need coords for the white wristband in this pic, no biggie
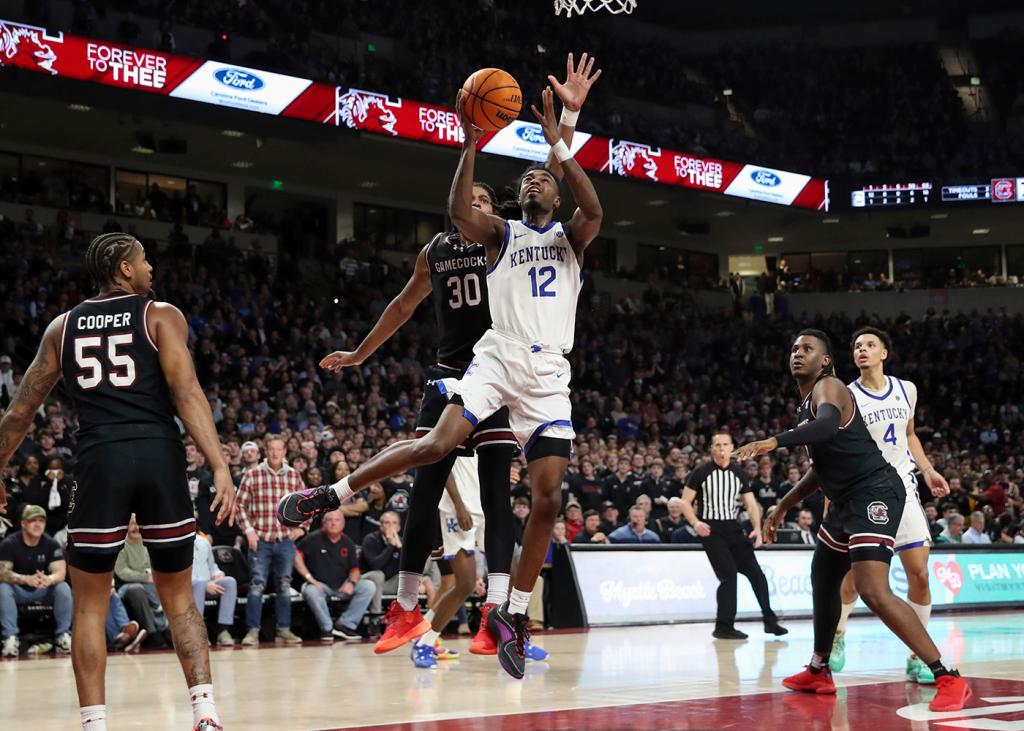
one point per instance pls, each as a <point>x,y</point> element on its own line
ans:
<point>569,117</point>
<point>560,151</point>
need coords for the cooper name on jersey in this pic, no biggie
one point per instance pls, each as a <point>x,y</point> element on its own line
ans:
<point>101,322</point>
<point>530,254</point>
<point>888,413</point>
<point>462,262</point>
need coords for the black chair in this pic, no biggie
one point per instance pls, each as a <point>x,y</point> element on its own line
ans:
<point>233,564</point>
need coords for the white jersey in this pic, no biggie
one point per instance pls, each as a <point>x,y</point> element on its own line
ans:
<point>467,482</point>
<point>887,415</point>
<point>533,286</point>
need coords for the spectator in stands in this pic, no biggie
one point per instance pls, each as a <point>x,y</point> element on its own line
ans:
<point>976,534</point>
<point>123,634</point>
<point>573,519</point>
<point>672,522</point>
<point>381,552</point>
<point>7,385</point>
<point>250,456</point>
<point>521,512</point>
<point>209,581</point>
<point>591,532</point>
<point>52,489</point>
<point>766,487</point>
<point>558,533</point>
<point>587,488</point>
<point>271,545</point>
<point>622,486</point>
<point>953,532</point>
<point>135,574</point>
<point>685,534</point>
<point>636,530</point>
<point>661,489</point>
<point>805,526</point>
<point>609,517</point>
<point>33,571</point>
<point>932,514</point>
<point>326,559</point>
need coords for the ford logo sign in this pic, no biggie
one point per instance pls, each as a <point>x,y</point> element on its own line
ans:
<point>532,134</point>
<point>238,79</point>
<point>766,178</point>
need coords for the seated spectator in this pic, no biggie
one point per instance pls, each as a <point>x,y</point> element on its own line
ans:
<point>591,532</point>
<point>327,560</point>
<point>123,634</point>
<point>976,535</point>
<point>558,537</point>
<point>209,580</point>
<point>953,532</point>
<point>636,530</point>
<point>685,534</point>
<point>805,524</point>
<point>33,571</point>
<point>932,514</point>
<point>573,520</point>
<point>135,575</point>
<point>7,384</point>
<point>521,511</point>
<point>381,552</point>
<point>609,517</point>
<point>672,522</point>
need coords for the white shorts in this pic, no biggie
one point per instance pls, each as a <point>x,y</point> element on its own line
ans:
<point>532,383</point>
<point>913,530</point>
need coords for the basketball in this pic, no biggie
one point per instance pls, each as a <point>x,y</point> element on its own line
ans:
<point>492,99</point>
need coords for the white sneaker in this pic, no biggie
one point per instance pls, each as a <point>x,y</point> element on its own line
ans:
<point>11,648</point>
<point>63,643</point>
<point>252,638</point>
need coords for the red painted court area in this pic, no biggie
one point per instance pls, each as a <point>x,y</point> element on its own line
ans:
<point>997,705</point>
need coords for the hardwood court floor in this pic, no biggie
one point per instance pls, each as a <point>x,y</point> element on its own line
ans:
<point>637,678</point>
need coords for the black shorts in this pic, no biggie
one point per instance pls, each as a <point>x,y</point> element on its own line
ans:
<point>492,431</point>
<point>116,479</point>
<point>865,523</point>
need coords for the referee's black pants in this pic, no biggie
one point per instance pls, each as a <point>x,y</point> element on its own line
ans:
<point>731,552</point>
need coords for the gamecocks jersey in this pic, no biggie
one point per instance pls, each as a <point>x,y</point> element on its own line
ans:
<point>848,460</point>
<point>458,274</point>
<point>112,372</point>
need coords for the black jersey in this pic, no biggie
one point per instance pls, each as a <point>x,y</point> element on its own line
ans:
<point>848,460</point>
<point>458,275</point>
<point>112,372</point>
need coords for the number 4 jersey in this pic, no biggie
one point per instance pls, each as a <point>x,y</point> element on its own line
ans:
<point>112,372</point>
<point>887,414</point>
<point>458,275</point>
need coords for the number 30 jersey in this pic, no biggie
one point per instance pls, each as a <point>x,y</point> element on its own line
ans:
<point>112,372</point>
<point>458,275</point>
<point>534,286</point>
<point>887,414</point>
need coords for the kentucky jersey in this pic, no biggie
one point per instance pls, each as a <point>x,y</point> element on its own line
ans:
<point>534,284</point>
<point>458,275</point>
<point>112,372</point>
<point>887,414</point>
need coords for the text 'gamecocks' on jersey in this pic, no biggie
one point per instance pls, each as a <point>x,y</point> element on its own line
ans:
<point>458,275</point>
<point>112,372</point>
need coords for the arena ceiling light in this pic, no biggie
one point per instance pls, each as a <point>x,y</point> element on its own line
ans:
<point>657,202</point>
<point>232,133</point>
<point>79,107</point>
<point>980,231</point>
<point>776,239</point>
<point>624,222</point>
<point>939,216</point>
<point>830,220</point>
<point>143,150</point>
<point>724,214</point>
<point>368,184</point>
<point>241,164</point>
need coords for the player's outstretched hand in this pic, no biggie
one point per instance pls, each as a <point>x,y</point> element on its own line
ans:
<point>224,501</point>
<point>936,483</point>
<point>756,449</point>
<point>470,132</point>
<point>772,521</point>
<point>340,359</point>
<point>578,80</point>
<point>547,120</point>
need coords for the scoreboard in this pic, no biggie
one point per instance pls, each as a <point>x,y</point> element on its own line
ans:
<point>891,195</point>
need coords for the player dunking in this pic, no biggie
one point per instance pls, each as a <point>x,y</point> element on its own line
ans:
<point>867,501</point>
<point>887,406</point>
<point>127,368</point>
<point>534,279</point>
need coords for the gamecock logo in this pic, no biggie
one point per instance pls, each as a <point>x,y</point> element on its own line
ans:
<point>360,109</point>
<point>25,47</point>
<point>878,512</point>
<point>625,158</point>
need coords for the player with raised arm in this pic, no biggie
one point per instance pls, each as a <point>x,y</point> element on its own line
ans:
<point>867,498</point>
<point>128,370</point>
<point>534,278</point>
<point>887,406</point>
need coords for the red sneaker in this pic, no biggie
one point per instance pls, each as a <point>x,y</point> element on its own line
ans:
<point>808,682</point>
<point>953,693</point>
<point>483,642</point>
<point>403,626</point>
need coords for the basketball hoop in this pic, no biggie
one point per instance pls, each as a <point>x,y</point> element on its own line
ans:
<point>582,6</point>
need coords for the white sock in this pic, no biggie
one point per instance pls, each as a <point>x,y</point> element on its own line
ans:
<point>429,616</point>
<point>518,601</point>
<point>428,638</point>
<point>497,588</point>
<point>844,614</point>
<point>342,489</point>
<point>202,703</point>
<point>94,718</point>
<point>923,612</point>
<point>409,589</point>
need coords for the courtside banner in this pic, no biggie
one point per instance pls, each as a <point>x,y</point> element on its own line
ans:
<point>628,586</point>
<point>212,82</point>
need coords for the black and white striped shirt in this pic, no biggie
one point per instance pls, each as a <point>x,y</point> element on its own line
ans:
<point>718,490</point>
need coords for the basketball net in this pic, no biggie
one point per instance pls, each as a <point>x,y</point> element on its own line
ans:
<point>582,6</point>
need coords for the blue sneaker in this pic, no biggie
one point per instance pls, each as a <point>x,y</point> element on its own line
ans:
<point>533,652</point>
<point>510,633</point>
<point>423,656</point>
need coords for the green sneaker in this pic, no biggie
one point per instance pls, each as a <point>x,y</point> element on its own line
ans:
<point>837,660</point>
<point>918,672</point>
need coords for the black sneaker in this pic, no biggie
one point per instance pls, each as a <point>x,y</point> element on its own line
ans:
<point>774,628</point>
<point>298,507</point>
<point>511,634</point>
<point>728,633</point>
<point>345,633</point>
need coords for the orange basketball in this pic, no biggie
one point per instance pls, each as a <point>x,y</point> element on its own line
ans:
<point>492,99</point>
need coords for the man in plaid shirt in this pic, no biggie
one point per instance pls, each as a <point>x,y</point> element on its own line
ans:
<point>271,545</point>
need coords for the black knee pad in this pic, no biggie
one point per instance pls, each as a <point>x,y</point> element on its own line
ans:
<point>444,566</point>
<point>549,447</point>
<point>171,560</point>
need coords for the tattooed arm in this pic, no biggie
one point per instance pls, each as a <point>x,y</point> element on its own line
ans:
<point>7,574</point>
<point>33,389</point>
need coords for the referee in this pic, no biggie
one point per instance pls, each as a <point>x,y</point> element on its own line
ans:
<point>717,485</point>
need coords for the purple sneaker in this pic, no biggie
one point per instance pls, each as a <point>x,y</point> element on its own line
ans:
<point>298,507</point>
<point>511,634</point>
